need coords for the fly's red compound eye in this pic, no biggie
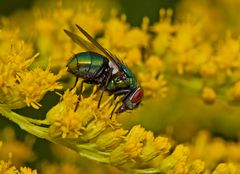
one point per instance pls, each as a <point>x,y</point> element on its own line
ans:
<point>137,96</point>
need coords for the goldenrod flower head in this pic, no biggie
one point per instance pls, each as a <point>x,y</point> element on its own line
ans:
<point>197,167</point>
<point>209,69</point>
<point>164,30</point>
<point>235,91</point>
<point>229,46</point>
<point>226,168</point>
<point>34,84</point>
<point>208,95</point>
<point>6,167</point>
<point>26,170</point>
<point>88,120</point>
<point>21,151</point>
<point>139,145</point>
<point>130,149</point>
<point>110,139</point>
<point>151,78</point>
<point>133,57</point>
<point>19,86</point>
<point>186,34</point>
<point>115,31</point>
<point>90,17</point>
<point>176,162</point>
<point>45,26</point>
<point>63,168</point>
<point>165,23</point>
<point>154,147</point>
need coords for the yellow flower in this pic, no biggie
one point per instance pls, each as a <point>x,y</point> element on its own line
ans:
<point>110,139</point>
<point>197,167</point>
<point>209,69</point>
<point>26,170</point>
<point>19,86</point>
<point>21,151</point>
<point>88,120</point>
<point>130,149</point>
<point>208,95</point>
<point>154,147</point>
<point>90,17</point>
<point>133,57</point>
<point>6,167</point>
<point>63,168</point>
<point>34,84</point>
<point>164,30</point>
<point>176,162</point>
<point>151,78</point>
<point>153,86</point>
<point>115,31</point>
<point>223,168</point>
<point>229,46</point>
<point>236,91</point>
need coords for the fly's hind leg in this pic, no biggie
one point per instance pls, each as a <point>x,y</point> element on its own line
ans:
<point>74,84</point>
<point>79,95</point>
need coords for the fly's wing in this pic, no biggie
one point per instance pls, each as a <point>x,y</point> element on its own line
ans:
<point>92,45</point>
<point>94,42</point>
<point>81,42</point>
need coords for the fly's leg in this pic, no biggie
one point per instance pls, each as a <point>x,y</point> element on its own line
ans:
<point>105,85</point>
<point>74,84</point>
<point>79,95</point>
<point>117,93</point>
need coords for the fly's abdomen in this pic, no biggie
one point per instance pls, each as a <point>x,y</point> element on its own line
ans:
<point>87,65</point>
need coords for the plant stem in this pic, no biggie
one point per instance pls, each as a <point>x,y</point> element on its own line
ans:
<point>42,132</point>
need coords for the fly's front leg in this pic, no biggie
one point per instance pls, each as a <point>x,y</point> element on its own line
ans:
<point>117,93</point>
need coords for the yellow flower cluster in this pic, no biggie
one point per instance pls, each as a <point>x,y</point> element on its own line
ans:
<point>19,86</point>
<point>93,126</point>
<point>6,167</point>
<point>90,132</point>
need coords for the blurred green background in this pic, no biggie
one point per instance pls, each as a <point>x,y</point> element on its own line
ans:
<point>134,9</point>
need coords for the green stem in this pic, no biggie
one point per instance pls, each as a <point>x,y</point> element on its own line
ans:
<point>24,124</point>
<point>149,170</point>
<point>41,132</point>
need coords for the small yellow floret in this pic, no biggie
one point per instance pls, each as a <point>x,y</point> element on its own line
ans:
<point>208,95</point>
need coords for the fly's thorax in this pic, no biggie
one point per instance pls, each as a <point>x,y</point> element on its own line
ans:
<point>117,83</point>
<point>114,67</point>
